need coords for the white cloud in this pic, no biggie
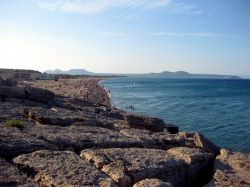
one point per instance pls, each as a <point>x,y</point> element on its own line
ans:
<point>98,6</point>
<point>194,34</point>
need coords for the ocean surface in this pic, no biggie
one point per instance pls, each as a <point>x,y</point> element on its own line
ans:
<point>220,109</point>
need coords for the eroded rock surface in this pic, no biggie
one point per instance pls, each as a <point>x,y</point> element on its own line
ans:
<point>11,176</point>
<point>131,165</point>
<point>231,169</point>
<point>62,168</point>
<point>152,183</point>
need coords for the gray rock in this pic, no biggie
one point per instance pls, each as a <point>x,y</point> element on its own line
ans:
<point>53,116</point>
<point>162,140</point>
<point>152,183</point>
<point>206,144</point>
<point>62,168</point>
<point>231,169</point>
<point>11,176</point>
<point>149,123</point>
<point>80,137</point>
<point>14,142</point>
<point>131,165</point>
<point>13,92</point>
<point>39,94</point>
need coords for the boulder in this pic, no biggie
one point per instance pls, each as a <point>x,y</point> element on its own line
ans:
<point>12,92</point>
<point>7,82</point>
<point>152,183</point>
<point>199,164</point>
<point>39,94</point>
<point>206,144</point>
<point>128,166</point>
<point>62,168</point>
<point>11,176</point>
<point>231,169</point>
<point>149,123</point>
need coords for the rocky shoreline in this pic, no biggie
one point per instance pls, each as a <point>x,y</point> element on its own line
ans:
<point>66,133</point>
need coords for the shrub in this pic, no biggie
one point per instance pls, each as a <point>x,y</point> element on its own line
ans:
<point>14,123</point>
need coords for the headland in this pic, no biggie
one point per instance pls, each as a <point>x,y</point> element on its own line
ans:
<point>65,132</point>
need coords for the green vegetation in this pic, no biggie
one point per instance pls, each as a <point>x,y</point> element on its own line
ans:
<point>14,123</point>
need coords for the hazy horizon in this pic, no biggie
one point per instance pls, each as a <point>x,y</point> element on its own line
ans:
<point>126,36</point>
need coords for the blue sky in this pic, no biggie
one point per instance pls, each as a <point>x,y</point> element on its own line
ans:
<point>126,36</point>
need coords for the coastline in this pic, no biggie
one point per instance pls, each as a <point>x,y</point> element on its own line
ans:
<point>85,140</point>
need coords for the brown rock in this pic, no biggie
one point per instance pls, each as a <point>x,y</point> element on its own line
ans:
<point>198,163</point>
<point>231,169</point>
<point>131,165</point>
<point>62,168</point>
<point>206,144</point>
<point>152,183</point>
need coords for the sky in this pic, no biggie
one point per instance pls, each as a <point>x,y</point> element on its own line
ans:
<point>126,36</point>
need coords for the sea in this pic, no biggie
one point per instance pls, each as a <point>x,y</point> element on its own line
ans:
<point>218,108</point>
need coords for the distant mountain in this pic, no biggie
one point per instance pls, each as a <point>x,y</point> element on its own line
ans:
<point>183,74</point>
<point>164,74</point>
<point>70,72</point>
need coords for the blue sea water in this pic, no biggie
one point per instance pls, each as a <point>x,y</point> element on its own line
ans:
<point>220,109</point>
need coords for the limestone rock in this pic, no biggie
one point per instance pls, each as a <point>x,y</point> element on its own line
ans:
<point>162,140</point>
<point>54,116</point>
<point>80,137</point>
<point>62,168</point>
<point>14,142</point>
<point>149,123</point>
<point>131,165</point>
<point>152,183</point>
<point>11,176</point>
<point>231,169</point>
<point>206,144</point>
<point>198,164</point>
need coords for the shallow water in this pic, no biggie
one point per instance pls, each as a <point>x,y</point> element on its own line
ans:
<point>220,109</point>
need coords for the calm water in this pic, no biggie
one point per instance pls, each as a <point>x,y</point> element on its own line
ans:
<point>220,109</point>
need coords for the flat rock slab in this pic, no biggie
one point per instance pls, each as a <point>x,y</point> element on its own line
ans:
<point>131,165</point>
<point>53,116</point>
<point>11,176</point>
<point>80,137</point>
<point>152,183</point>
<point>14,142</point>
<point>162,140</point>
<point>231,169</point>
<point>62,168</point>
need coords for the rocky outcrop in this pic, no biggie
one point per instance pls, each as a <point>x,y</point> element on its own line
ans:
<point>149,123</point>
<point>231,169</point>
<point>27,92</point>
<point>152,183</point>
<point>14,142</point>
<point>11,176</point>
<point>80,140</point>
<point>131,165</point>
<point>206,144</point>
<point>62,168</point>
<point>198,164</point>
